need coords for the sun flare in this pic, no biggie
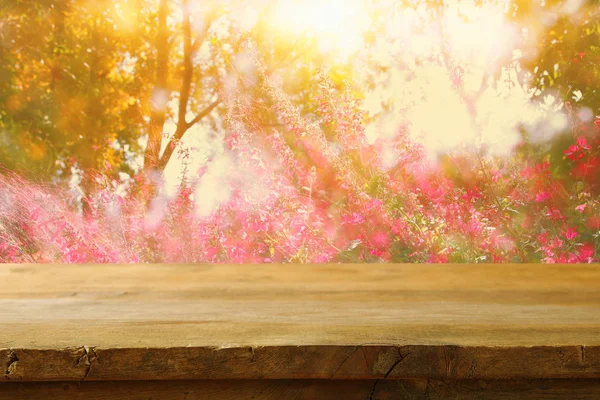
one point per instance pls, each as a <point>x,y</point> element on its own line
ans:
<point>337,25</point>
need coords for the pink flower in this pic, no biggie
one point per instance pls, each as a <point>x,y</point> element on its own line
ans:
<point>571,151</point>
<point>496,175</point>
<point>556,242</point>
<point>571,233</point>
<point>586,252</point>
<point>353,219</point>
<point>380,240</point>
<point>373,204</point>
<point>588,169</point>
<point>555,214</point>
<point>582,142</point>
<point>581,208</point>
<point>572,258</point>
<point>541,197</point>
<point>376,252</point>
<point>548,251</point>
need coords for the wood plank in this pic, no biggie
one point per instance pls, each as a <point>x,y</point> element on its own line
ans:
<point>301,362</point>
<point>581,389</point>
<point>160,322</point>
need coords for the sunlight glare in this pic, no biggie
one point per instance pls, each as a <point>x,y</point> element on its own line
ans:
<point>478,39</point>
<point>337,25</point>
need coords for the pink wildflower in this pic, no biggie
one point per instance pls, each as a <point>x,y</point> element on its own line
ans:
<point>571,233</point>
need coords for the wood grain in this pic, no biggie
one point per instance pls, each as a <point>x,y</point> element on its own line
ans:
<point>164,322</point>
<point>580,389</point>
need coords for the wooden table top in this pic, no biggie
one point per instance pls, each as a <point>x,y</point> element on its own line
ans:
<point>119,322</point>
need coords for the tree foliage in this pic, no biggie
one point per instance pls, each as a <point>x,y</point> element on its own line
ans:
<point>563,48</point>
<point>70,91</point>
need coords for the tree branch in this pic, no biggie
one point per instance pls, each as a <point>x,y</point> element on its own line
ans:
<point>181,130</point>
<point>189,48</point>
<point>188,68</point>
<point>203,114</point>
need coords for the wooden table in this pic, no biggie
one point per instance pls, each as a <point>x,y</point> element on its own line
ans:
<point>300,332</point>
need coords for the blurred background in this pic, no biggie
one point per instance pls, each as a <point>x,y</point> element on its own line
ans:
<point>299,131</point>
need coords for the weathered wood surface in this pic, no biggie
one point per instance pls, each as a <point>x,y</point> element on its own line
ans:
<point>580,389</point>
<point>160,322</point>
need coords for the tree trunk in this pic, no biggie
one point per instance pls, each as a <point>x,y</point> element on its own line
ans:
<point>161,93</point>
